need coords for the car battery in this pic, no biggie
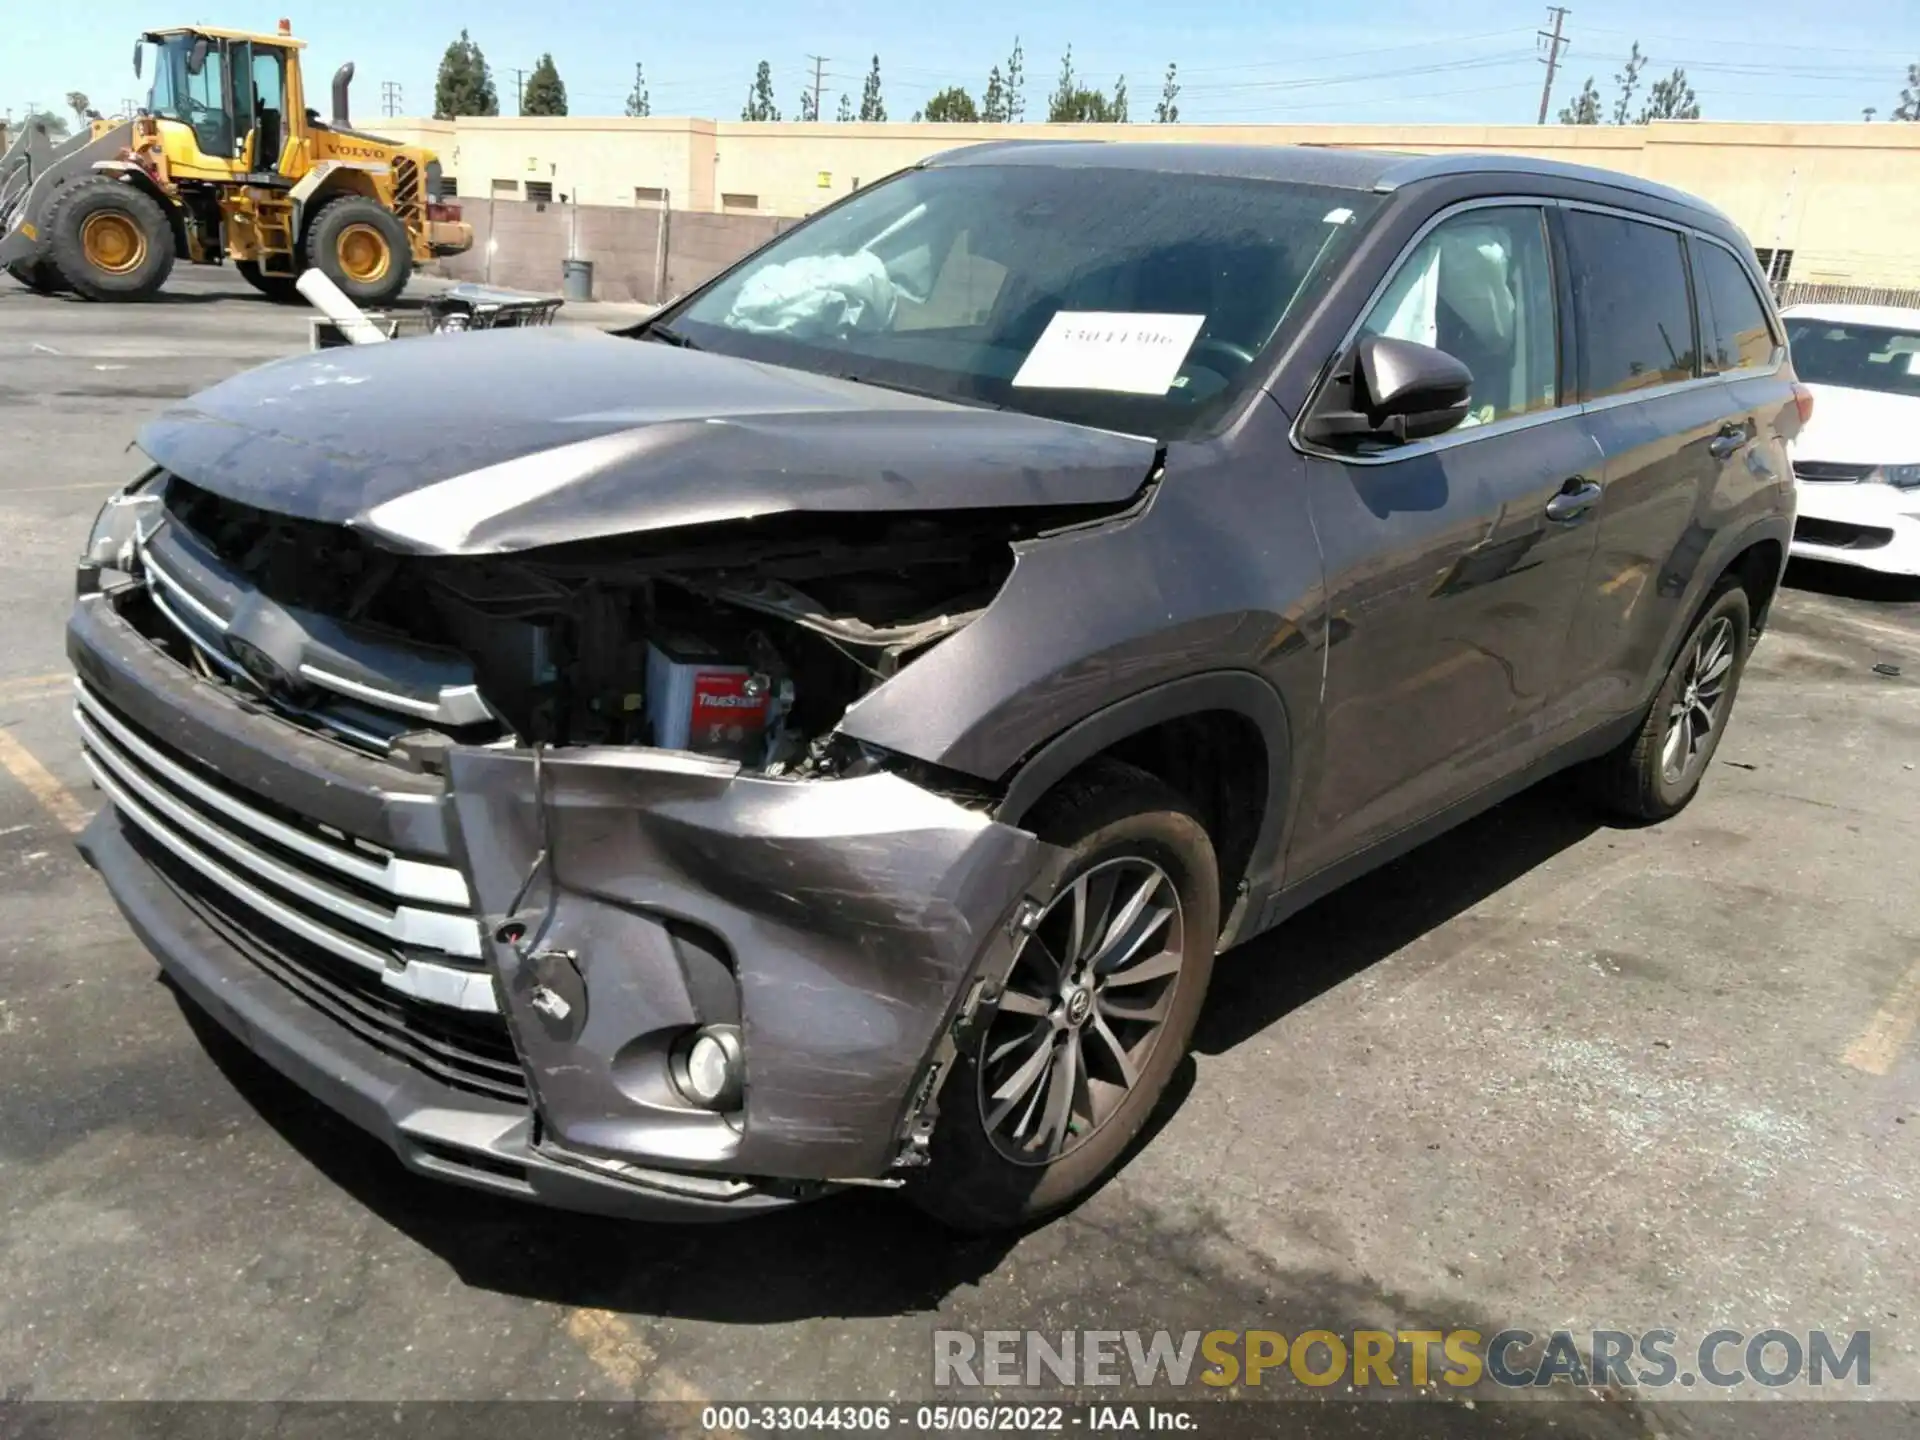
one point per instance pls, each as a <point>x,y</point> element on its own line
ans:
<point>698,701</point>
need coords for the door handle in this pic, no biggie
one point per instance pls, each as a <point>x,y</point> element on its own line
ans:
<point>1576,497</point>
<point>1724,445</point>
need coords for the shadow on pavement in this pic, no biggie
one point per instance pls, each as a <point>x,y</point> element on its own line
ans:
<point>1850,582</point>
<point>1372,917</point>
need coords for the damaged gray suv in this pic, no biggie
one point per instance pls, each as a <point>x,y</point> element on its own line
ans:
<point>824,735</point>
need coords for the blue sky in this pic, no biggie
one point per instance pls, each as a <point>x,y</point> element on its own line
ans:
<point>1240,60</point>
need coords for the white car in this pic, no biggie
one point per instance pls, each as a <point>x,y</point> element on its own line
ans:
<point>1857,461</point>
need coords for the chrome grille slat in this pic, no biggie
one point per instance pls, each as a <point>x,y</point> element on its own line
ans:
<point>452,706</point>
<point>403,879</point>
<point>428,929</point>
<point>225,857</point>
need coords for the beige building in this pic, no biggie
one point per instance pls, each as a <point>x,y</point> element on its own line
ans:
<point>1830,204</point>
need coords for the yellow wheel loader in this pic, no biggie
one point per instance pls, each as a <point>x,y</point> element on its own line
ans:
<point>224,162</point>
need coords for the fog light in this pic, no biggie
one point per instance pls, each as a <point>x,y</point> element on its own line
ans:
<point>708,1066</point>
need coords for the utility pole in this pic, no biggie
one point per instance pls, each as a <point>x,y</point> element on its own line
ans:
<point>390,97</point>
<point>819,68</point>
<point>1554,46</point>
<point>517,74</point>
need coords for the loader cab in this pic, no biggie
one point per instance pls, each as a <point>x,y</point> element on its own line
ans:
<point>234,101</point>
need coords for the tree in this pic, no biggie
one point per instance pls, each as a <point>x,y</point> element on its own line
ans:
<point>1071,103</point>
<point>465,84</point>
<point>1628,80</point>
<point>639,102</point>
<point>1670,99</point>
<point>846,108</point>
<point>952,105</point>
<point>1016,84</point>
<point>1061,102</point>
<point>1909,106</point>
<point>1868,113</point>
<point>1585,109</point>
<point>1166,112</point>
<point>57,128</point>
<point>993,104</point>
<point>78,103</point>
<point>760,104</point>
<point>872,107</point>
<point>544,93</point>
<point>809,107</point>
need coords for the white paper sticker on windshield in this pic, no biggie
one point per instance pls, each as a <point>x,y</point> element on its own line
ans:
<point>1109,350</point>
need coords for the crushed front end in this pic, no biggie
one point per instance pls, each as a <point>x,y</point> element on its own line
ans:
<point>549,870</point>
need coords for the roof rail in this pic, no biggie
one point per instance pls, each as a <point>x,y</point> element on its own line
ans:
<point>1432,167</point>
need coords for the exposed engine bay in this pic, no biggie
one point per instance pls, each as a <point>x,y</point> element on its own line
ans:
<point>745,639</point>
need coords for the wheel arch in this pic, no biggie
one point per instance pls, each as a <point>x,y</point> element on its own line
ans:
<point>1757,553</point>
<point>1200,734</point>
<point>329,180</point>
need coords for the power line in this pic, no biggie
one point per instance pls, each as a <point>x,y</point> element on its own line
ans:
<point>1554,43</point>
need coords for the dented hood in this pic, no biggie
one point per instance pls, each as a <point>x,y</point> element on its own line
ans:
<point>505,440</point>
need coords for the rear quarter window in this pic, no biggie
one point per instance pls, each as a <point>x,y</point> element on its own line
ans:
<point>1734,330</point>
<point>1636,316</point>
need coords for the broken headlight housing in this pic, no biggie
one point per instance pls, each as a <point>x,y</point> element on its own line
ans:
<point>127,518</point>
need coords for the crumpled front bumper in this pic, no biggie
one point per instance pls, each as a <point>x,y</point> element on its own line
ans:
<point>849,919</point>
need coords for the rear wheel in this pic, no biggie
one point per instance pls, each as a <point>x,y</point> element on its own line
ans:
<point>1096,1013</point>
<point>362,247</point>
<point>39,276</point>
<point>274,287</point>
<point>111,241</point>
<point>1659,769</point>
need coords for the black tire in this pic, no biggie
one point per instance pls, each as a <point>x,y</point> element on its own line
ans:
<point>1639,781</point>
<point>279,288</point>
<point>1111,816</point>
<point>39,276</point>
<point>347,222</point>
<point>111,240</point>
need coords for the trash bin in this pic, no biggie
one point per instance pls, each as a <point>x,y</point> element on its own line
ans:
<point>576,279</point>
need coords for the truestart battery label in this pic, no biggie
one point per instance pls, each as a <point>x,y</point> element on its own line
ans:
<point>725,711</point>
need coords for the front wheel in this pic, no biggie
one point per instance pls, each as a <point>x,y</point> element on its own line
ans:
<point>111,240</point>
<point>1096,1013</point>
<point>362,247</point>
<point>1659,768</point>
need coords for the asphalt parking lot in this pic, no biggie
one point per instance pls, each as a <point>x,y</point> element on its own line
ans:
<point>1542,1073</point>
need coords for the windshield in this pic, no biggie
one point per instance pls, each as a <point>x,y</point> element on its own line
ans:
<point>1131,300</point>
<point>1859,357</point>
<point>198,99</point>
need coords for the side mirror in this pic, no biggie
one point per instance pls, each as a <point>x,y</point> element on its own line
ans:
<point>197,57</point>
<point>1392,390</point>
<point>138,51</point>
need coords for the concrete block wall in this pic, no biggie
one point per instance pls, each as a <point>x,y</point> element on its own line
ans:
<point>522,245</point>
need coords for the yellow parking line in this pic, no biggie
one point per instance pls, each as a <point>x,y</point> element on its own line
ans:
<point>54,798</point>
<point>627,1360</point>
<point>28,687</point>
<point>1879,1044</point>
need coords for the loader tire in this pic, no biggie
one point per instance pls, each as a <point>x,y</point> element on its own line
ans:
<point>278,288</point>
<point>362,247</point>
<point>39,276</point>
<point>110,240</point>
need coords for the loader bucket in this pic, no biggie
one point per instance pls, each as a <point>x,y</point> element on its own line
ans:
<point>32,174</point>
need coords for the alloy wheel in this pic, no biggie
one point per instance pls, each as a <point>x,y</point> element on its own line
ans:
<point>1696,710</point>
<point>1084,1006</point>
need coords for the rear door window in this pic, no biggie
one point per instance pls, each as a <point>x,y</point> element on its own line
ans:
<point>1734,330</point>
<point>1636,316</point>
